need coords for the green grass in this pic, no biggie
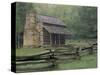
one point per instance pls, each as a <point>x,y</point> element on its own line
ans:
<point>81,42</point>
<point>32,66</point>
<point>89,61</point>
<point>28,51</point>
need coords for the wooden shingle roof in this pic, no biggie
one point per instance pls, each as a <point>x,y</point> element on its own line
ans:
<point>50,20</point>
<point>56,29</point>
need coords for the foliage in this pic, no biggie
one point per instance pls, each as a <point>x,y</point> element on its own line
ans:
<point>87,26</point>
<point>21,10</point>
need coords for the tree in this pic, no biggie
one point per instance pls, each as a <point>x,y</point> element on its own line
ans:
<point>21,10</point>
<point>88,22</point>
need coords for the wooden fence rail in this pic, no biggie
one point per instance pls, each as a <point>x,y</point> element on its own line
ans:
<point>91,48</point>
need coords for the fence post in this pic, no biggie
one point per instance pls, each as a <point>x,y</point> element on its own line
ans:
<point>52,58</point>
<point>77,53</point>
<point>91,50</point>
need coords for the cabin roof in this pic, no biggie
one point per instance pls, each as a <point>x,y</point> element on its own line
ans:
<point>50,20</point>
<point>56,29</point>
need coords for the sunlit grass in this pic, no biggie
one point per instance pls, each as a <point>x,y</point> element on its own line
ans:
<point>28,51</point>
<point>81,42</point>
<point>89,61</point>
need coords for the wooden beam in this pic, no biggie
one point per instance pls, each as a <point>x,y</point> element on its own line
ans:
<point>50,40</point>
<point>59,39</point>
<point>55,39</point>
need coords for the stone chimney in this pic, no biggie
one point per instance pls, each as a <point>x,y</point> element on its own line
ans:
<point>31,34</point>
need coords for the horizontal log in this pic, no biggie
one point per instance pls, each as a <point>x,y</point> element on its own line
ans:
<point>31,62</point>
<point>90,47</point>
<point>86,48</point>
<point>33,57</point>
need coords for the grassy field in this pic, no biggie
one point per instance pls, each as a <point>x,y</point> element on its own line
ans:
<point>28,51</point>
<point>87,61</point>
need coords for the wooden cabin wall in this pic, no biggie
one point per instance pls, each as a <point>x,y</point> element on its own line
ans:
<point>55,40</point>
<point>62,39</point>
<point>58,39</point>
<point>46,37</point>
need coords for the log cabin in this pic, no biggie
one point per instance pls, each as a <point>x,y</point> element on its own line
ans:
<point>42,30</point>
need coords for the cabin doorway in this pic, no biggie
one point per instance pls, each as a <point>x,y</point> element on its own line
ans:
<point>55,40</point>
